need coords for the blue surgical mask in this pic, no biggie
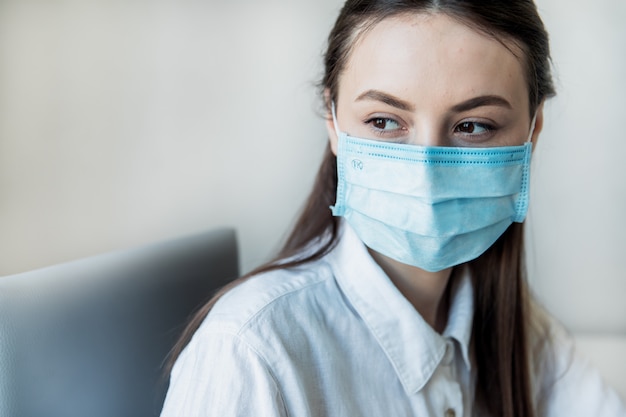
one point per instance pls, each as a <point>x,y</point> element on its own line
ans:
<point>428,206</point>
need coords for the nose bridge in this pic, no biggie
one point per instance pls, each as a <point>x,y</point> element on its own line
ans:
<point>429,131</point>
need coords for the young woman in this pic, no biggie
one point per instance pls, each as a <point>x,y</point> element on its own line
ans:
<point>401,290</point>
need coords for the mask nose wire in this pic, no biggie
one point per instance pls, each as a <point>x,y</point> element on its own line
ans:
<point>334,113</point>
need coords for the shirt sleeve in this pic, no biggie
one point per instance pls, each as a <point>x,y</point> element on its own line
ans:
<point>220,375</point>
<point>572,386</point>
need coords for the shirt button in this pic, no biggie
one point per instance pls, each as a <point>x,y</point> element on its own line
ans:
<point>450,413</point>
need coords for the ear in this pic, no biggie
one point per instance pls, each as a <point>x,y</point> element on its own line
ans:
<point>330,124</point>
<point>538,125</point>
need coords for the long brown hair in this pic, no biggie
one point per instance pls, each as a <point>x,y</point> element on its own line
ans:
<point>501,324</point>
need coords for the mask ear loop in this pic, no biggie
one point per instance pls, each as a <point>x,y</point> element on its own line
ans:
<point>335,124</point>
<point>339,208</point>
<point>521,206</point>
<point>532,128</point>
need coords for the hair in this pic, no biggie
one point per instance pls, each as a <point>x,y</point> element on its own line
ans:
<point>502,316</point>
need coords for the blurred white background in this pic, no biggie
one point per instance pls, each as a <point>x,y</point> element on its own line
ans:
<point>126,122</point>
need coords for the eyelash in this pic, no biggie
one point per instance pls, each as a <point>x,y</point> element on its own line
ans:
<point>382,132</point>
<point>488,128</point>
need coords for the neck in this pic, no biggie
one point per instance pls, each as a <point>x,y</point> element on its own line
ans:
<point>425,290</point>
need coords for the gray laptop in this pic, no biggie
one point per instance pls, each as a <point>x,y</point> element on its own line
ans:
<point>89,338</point>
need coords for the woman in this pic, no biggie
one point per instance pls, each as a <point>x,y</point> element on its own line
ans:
<point>407,297</point>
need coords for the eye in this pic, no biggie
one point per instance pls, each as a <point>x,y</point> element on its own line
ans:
<point>386,128</point>
<point>383,123</point>
<point>473,128</point>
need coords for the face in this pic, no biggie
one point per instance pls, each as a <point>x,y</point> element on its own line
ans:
<point>427,79</point>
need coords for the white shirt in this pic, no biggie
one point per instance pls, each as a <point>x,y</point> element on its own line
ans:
<point>336,338</point>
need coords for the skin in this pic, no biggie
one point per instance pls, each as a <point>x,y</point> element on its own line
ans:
<point>427,79</point>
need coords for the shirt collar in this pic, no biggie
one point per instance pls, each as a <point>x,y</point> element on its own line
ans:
<point>412,346</point>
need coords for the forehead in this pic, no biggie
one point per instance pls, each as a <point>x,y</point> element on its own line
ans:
<point>433,55</point>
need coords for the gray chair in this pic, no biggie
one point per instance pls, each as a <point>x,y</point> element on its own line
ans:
<point>89,338</point>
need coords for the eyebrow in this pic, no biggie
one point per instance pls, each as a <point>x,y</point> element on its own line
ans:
<point>387,99</point>
<point>472,103</point>
<point>481,101</point>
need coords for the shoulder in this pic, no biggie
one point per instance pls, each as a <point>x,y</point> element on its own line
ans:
<point>257,332</point>
<point>272,298</point>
